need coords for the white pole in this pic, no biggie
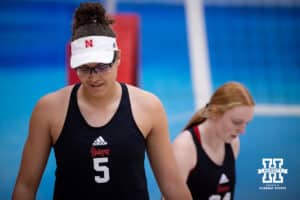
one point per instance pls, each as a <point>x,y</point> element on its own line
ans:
<point>111,7</point>
<point>198,51</point>
<point>277,110</point>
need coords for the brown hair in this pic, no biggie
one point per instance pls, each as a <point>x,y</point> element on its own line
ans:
<point>226,97</point>
<point>90,18</point>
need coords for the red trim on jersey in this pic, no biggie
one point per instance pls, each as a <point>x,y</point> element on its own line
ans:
<point>197,132</point>
<point>222,189</point>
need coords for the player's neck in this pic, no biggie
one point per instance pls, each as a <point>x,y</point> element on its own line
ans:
<point>112,94</point>
<point>209,135</point>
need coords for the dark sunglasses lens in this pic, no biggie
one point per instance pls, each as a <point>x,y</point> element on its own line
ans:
<point>102,67</point>
<point>99,68</point>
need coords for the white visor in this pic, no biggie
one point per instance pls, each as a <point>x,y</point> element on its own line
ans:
<point>93,49</point>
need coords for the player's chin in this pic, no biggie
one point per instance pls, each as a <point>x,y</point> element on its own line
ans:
<point>230,138</point>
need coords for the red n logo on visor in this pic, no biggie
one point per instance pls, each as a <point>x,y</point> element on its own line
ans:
<point>88,43</point>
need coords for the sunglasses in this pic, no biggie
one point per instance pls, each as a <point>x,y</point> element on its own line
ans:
<point>98,68</point>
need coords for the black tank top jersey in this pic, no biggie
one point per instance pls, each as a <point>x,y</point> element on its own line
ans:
<point>100,162</point>
<point>209,181</point>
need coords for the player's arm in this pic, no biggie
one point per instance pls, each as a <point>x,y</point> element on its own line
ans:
<point>161,156</point>
<point>35,153</point>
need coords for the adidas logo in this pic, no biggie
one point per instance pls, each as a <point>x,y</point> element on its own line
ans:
<point>99,142</point>
<point>223,179</point>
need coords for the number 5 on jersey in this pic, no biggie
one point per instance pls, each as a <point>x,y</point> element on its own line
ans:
<point>101,168</point>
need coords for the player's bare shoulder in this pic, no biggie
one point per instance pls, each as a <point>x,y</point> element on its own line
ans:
<point>55,100</point>
<point>183,145</point>
<point>147,109</point>
<point>235,144</point>
<point>144,99</point>
<point>51,110</point>
<point>53,105</point>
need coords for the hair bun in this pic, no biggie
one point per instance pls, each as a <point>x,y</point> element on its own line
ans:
<point>89,13</point>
